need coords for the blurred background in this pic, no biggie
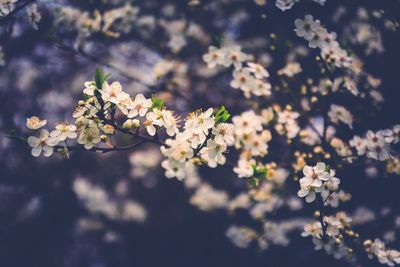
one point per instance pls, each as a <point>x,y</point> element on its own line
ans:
<point>51,209</point>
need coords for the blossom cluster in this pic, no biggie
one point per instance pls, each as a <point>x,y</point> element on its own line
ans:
<point>318,36</point>
<point>377,248</point>
<point>202,136</point>
<point>336,226</point>
<point>97,200</point>
<point>318,179</point>
<point>377,145</point>
<point>250,79</point>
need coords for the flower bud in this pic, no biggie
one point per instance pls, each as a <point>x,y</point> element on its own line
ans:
<point>103,138</point>
<point>108,129</point>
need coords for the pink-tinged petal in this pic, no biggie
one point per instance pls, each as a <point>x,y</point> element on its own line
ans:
<point>320,166</point>
<point>47,151</point>
<point>303,193</point>
<point>151,130</point>
<point>310,197</point>
<point>33,141</point>
<point>307,171</point>
<point>36,151</point>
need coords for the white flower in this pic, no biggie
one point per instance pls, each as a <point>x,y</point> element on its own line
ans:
<point>179,150</point>
<point>200,122</point>
<point>312,229</point>
<point>234,55</point>
<point>246,123</point>
<point>139,106</point>
<point>285,4</point>
<point>174,168</point>
<point>305,28</point>
<point>258,70</point>
<point>242,80</point>
<point>214,57</point>
<point>43,142</point>
<point>89,137</point>
<point>113,93</point>
<point>170,122</point>
<point>35,123</point>
<point>260,88</point>
<point>360,144</point>
<point>63,131</point>
<point>213,153</point>
<point>224,134</point>
<point>244,169</point>
<point>153,119</point>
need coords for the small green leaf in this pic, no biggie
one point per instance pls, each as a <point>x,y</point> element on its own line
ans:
<point>259,172</point>
<point>222,115</point>
<point>100,78</point>
<point>158,103</point>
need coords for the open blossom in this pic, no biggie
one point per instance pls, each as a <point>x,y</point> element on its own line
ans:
<point>214,57</point>
<point>42,143</point>
<point>258,70</point>
<point>63,131</point>
<point>200,122</point>
<point>360,144</point>
<point>305,27</point>
<point>178,149</point>
<point>244,169</point>
<point>170,122</point>
<point>89,137</point>
<point>312,229</point>
<point>113,92</point>
<point>213,153</point>
<point>234,56</point>
<point>153,119</point>
<point>35,123</point>
<point>174,168</point>
<point>139,106</point>
<point>242,80</point>
<point>224,134</point>
<point>246,123</point>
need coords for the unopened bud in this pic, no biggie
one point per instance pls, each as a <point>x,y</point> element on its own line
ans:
<point>103,138</point>
<point>108,129</point>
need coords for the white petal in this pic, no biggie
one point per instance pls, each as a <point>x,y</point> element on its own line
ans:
<point>36,151</point>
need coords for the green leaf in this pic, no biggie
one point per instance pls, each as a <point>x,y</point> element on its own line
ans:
<point>217,40</point>
<point>259,172</point>
<point>100,78</point>
<point>158,103</point>
<point>222,115</point>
